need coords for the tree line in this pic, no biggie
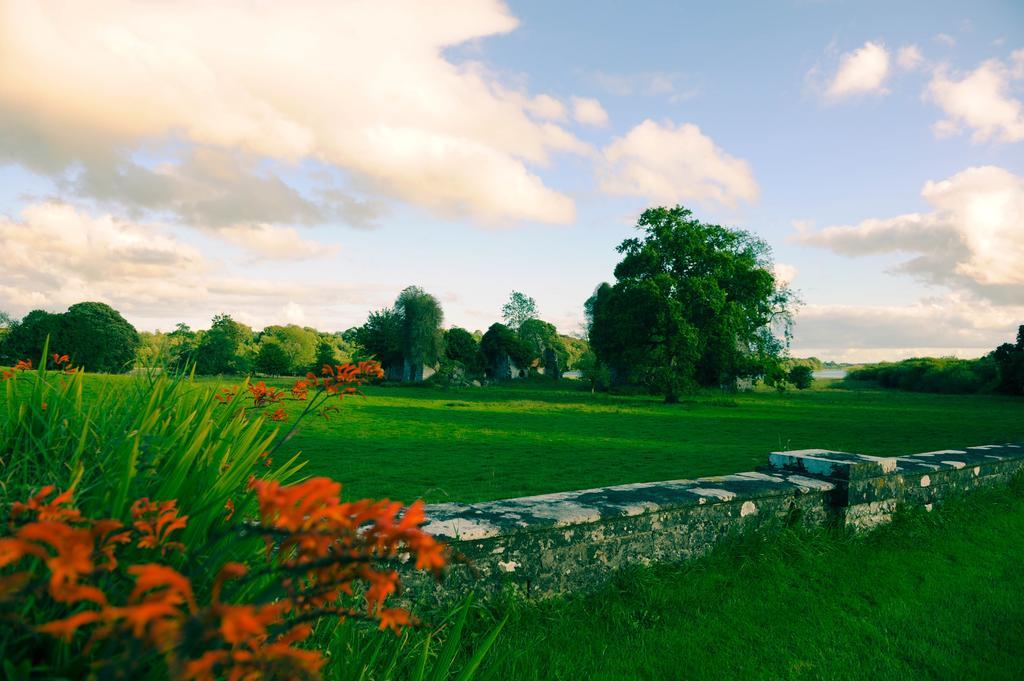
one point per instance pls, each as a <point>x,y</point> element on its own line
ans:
<point>405,338</point>
<point>693,305</point>
<point>1001,370</point>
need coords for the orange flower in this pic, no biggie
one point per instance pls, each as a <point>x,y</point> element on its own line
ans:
<point>224,395</point>
<point>60,359</point>
<point>156,521</point>
<point>394,619</point>
<point>23,365</point>
<point>263,395</point>
<point>278,415</point>
<point>300,391</point>
<point>67,627</point>
<point>229,506</point>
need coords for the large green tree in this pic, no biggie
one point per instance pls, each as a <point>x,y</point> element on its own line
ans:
<point>25,339</point>
<point>97,338</point>
<point>694,304</point>
<point>422,336</point>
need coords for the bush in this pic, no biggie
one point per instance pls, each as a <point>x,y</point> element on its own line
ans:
<point>801,376</point>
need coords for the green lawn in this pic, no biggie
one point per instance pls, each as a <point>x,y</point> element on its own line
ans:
<point>496,442</point>
<point>475,444</point>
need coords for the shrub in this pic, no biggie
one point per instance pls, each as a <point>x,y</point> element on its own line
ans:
<point>801,376</point>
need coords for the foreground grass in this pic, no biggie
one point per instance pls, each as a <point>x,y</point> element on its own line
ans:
<point>496,442</point>
<point>934,596</point>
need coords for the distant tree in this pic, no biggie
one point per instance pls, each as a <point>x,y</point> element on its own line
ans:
<point>422,337</point>
<point>26,338</point>
<point>97,338</point>
<point>694,304</point>
<point>183,344</point>
<point>592,371</point>
<point>801,376</point>
<point>299,345</point>
<point>272,359</point>
<point>381,337</point>
<point>1009,358</point>
<point>538,336</point>
<point>575,349</point>
<point>460,346</point>
<point>519,308</point>
<point>326,353</point>
<point>224,348</point>
<point>500,341</point>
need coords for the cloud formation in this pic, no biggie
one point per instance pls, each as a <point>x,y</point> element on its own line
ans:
<point>669,164</point>
<point>950,325</point>
<point>362,87</point>
<point>56,254</point>
<point>589,111</point>
<point>972,240</point>
<point>909,58</point>
<point>981,100</point>
<point>862,71</point>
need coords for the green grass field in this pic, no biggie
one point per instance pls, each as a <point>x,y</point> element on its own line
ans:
<point>475,444</point>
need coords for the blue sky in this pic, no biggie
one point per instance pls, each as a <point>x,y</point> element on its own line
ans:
<point>305,162</point>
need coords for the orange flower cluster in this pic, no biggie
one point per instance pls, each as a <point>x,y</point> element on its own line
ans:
<point>262,395</point>
<point>22,365</point>
<point>321,553</point>
<point>344,378</point>
<point>315,538</point>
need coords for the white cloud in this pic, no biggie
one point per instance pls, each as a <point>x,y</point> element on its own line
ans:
<point>668,164</point>
<point>861,71</point>
<point>56,255</point>
<point>972,240</point>
<point>945,39</point>
<point>546,106</point>
<point>981,100</point>
<point>785,273</point>
<point>589,111</point>
<point>676,87</point>
<point>909,58</point>
<point>363,87</point>
<point>275,243</point>
<point>950,325</point>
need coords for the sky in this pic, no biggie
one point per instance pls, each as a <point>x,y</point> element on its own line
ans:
<point>303,162</point>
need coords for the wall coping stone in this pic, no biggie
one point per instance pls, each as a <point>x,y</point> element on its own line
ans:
<point>791,472</point>
<point>570,541</point>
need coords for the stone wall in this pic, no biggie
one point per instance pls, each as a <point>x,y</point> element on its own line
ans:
<point>573,541</point>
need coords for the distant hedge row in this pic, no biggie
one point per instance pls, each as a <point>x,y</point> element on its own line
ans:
<point>1002,370</point>
<point>932,375</point>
